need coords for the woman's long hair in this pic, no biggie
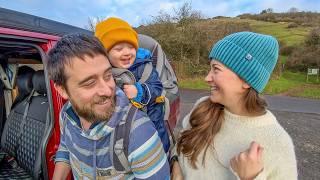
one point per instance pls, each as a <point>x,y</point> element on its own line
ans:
<point>206,121</point>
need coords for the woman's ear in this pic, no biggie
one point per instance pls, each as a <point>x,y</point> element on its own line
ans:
<point>246,85</point>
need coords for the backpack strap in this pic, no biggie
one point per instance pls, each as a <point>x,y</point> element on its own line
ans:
<point>146,72</point>
<point>166,121</point>
<point>119,142</point>
<point>123,76</point>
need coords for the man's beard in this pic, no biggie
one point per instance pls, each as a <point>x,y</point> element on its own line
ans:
<point>87,111</point>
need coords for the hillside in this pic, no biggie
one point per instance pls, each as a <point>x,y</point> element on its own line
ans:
<point>215,29</point>
<point>190,43</point>
<point>289,36</point>
<point>187,44</point>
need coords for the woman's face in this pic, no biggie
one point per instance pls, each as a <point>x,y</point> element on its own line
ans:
<point>226,87</point>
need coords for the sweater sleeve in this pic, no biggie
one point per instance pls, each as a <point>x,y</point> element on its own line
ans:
<point>146,155</point>
<point>281,161</point>
<point>152,88</point>
<point>149,90</point>
<point>62,154</point>
<point>260,176</point>
<point>284,164</point>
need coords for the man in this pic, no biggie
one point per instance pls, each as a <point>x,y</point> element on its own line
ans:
<point>81,72</point>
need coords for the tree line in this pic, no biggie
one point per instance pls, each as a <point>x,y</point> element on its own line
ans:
<point>187,35</point>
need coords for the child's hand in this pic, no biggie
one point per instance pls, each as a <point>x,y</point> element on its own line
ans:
<point>248,164</point>
<point>130,90</point>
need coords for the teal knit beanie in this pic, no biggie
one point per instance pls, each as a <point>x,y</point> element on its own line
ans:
<point>251,56</point>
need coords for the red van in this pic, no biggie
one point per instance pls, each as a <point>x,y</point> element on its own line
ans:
<point>29,104</point>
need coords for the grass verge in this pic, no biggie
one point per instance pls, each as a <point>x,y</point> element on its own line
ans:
<point>289,84</point>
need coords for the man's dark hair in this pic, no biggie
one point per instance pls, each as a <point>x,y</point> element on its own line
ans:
<point>69,47</point>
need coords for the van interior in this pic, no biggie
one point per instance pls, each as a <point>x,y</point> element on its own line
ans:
<point>25,122</point>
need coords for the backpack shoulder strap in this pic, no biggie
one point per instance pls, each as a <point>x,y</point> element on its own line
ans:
<point>123,76</point>
<point>119,142</point>
<point>146,72</point>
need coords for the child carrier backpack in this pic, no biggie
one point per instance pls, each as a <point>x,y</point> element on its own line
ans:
<point>169,93</point>
<point>167,77</point>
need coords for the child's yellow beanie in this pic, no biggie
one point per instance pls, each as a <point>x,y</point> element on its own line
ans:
<point>114,30</point>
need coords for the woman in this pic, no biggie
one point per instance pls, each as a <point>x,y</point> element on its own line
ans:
<point>234,117</point>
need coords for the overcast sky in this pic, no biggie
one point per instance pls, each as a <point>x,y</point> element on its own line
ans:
<point>77,12</point>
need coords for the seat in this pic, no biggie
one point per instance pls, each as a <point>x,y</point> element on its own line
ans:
<point>24,84</point>
<point>26,133</point>
<point>9,139</point>
<point>24,80</point>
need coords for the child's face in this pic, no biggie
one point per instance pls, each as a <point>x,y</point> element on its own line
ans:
<point>122,55</point>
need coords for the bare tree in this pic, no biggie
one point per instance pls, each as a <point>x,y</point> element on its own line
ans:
<point>265,11</point>
<point>293,10</point>
<point>92,22</point>
<point>162,18</point>
<point>185,15</point>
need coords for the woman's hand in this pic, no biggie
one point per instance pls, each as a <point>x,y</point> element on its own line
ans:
<point>176,173</point>
<point>248,164</point>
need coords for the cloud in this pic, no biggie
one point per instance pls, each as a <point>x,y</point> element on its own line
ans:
<point>125,2</point>
<point>77,12</point>
<point>167,6</point>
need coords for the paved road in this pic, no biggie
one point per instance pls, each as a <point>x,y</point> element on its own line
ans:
<point>299,116</point>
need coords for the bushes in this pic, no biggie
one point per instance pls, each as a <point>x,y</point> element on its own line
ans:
<point>286,50</point>
<point>305,55</point>
<point>313,39</point>
<point>303,58</point>
<point>191,43</point>
<point>292,25</point>
<point>186,37</point>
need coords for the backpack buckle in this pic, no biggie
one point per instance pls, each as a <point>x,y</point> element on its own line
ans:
<point>160,99</point>
<point>136,104</point>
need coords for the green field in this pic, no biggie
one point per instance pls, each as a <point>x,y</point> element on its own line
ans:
<point>289,84</point>
<point>289,36</point>
<point>294,84</point>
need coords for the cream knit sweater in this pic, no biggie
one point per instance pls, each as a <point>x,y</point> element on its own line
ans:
<point>235,136</point>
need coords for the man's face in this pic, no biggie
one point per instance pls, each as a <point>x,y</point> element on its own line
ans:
<point>90,87</point>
